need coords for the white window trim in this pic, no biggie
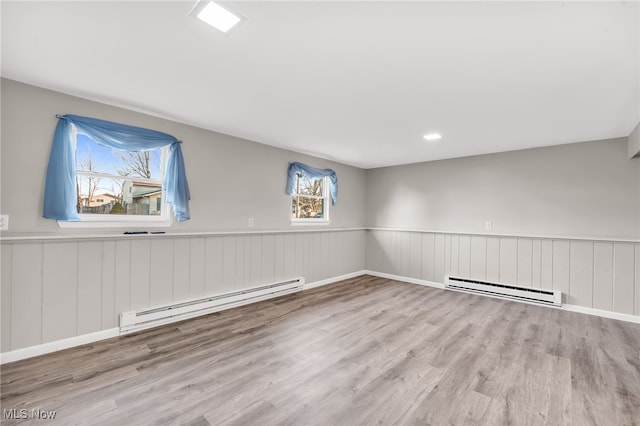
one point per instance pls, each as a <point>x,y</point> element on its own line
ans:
<point>315,222</point>
<point>117,221</point>
<point>88,221</point>
<point>310,222</point>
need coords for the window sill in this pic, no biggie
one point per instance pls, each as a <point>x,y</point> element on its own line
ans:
<point>121,222</point>
<point>310,222</point>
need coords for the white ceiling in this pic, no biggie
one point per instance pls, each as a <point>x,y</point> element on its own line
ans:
<point>358,82</point>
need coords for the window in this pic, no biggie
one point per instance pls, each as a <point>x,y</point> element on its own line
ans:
<point>310,189</point>
<point>65,194</point>
<point>115,185</point>
<point>309,201</point>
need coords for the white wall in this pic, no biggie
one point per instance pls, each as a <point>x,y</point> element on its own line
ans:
<point>588,189</point>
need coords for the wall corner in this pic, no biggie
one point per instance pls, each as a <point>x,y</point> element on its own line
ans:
<point>634,142</point>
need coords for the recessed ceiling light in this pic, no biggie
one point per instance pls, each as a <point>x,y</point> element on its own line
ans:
<point>432,136</point>
<point>217,16</point>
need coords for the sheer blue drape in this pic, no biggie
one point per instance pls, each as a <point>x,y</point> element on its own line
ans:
<point>60,196</point>
<point>312,173</point>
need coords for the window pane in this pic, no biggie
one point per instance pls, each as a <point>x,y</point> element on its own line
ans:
<point>98,195</point>
<point>92,157</point>
<point>305,186</point>
<point>307,208</point>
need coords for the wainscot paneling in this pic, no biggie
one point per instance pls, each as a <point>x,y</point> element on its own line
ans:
<point>623,278</point>
<point>26,295</point>
<point>603,275</point>
<point>637,261</point>
<point>54,289</point>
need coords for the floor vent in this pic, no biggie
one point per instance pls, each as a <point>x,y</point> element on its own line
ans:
<point>526,294</point>
<point>153,317</point>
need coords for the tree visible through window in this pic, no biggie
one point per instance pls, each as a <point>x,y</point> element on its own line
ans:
<point>310,199</point>
<point>118,182</point>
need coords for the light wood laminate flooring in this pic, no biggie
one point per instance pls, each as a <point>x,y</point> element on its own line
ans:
<point>363,351</point>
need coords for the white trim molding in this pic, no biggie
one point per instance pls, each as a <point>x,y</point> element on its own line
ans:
<point>515,235</point>
<point>58,345</point>
<point>310,222</point>
<point>98,221</point>
<point>571,308</point>
<point>601,313</point>
<point>332,280</point>
<point>10,238</point>
<point>49,347</point>
<point>405,279</point>
<point>15,237</point>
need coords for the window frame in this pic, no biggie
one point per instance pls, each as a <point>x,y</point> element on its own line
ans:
<point>295,221</point>
<point>163,220</point>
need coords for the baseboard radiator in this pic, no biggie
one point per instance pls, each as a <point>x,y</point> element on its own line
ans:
<point>153,317</point>
<point>506,291</point>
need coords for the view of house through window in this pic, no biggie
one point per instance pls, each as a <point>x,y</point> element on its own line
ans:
<point>310,199</point>
<point>118,182</point>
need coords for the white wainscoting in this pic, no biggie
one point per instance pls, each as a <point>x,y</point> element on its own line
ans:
<point>599,275</point>
<point>56,289</point>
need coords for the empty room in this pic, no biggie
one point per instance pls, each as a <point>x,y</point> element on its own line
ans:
<point>320,213</point>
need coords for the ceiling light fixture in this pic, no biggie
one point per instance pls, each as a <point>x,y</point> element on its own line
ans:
<point>217,16</point>
<point>432,136</point>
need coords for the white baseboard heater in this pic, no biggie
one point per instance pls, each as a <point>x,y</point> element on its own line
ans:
<point>153,317</point>
<point>526,294</point>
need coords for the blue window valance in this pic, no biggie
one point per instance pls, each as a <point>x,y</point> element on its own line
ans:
<point>60,196</point>
<point>312,173</point>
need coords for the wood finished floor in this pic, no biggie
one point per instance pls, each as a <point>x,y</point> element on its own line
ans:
<point>364,351</point>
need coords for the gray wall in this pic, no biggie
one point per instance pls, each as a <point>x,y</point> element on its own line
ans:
<point>634,142</point>
<point>62,285</point>
<point>602,275</point>
<point>231,179</point>
<point>588,189</point>
<point>63,288</point>
<point>582,197</point>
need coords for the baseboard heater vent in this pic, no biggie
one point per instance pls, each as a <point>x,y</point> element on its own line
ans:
<point>526,294</point>
<point>153,317</point>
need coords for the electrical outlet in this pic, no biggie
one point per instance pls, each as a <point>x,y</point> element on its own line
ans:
<point>4,222</point>
<point>488,225</point>
<point>250,222</point>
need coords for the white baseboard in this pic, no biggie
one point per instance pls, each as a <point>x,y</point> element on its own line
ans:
<point>45,348</point>
<point>58,345</point>
<point>405,279</point>
<point>565,307</point>
<point>601,313</point>
<point>332,280</point>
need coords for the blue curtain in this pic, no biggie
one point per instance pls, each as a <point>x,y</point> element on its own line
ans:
<point>60,196</point>
<point>312,173</point>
